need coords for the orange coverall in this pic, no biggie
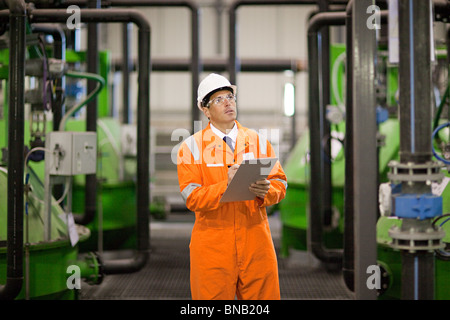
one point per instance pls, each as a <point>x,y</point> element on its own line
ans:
<point>231,249</point>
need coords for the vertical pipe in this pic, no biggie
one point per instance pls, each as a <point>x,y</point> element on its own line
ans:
<point>92,67</point>
<point>233,61</point>
<point>365,200</point>
<point>143,133</point>
<point>315,141</point>
<point>16,117</point>
<point>218,5</point>
<point>324,65</point>
<point>143,175</point>
<point>415,81</point>
<point>195,62</point>
<point>126,69</point>
<point>195,66</point>
<point>415,131</point>
<point>59,48</point>
<point>90,193</point>
<point>348,259</point>
<point>143,147</point>
<point>416,286</point>
<point>232,55</point>
<point>316,120</point>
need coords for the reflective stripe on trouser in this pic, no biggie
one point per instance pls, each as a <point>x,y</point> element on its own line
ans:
<point>228,262</point>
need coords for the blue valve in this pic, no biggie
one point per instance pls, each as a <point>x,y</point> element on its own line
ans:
<point>417,206</point>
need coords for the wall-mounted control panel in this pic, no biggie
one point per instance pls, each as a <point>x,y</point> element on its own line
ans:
<point>71,153</point>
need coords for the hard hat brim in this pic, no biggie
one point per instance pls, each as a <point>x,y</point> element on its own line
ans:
<point>233,88</point>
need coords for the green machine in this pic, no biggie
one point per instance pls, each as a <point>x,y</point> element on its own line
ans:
<point>116,167</point>
<point>294,209</point>
<point>58,252</point>
<point>52,262</point>
<point>114,225</point>
<point>115,220</point>
<point>47,263</point>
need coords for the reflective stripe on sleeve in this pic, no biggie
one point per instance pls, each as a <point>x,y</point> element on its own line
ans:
<point>188,190</point>
<point>282,181</point>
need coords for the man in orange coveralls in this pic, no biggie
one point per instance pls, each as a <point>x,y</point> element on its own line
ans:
<point>231,250</point>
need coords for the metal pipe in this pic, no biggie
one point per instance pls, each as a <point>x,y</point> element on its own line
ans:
<point>316,119</point>
<point>59,48</point>
<point>16,117</point>
<point>126,67</point>
<point>349,191</point>
<point>195,65</point>
<point>418,275</point>
<point>365,200</point>
<point>325,97</point>
<point>415,89</point>
<point>106,3</point>
<point>415,131</point>
<point>220,65</point>
<point>143,133</point>
<point>143,149</point>
<point>348,268</point>
<point>234,64</point>
<point>90,191</point>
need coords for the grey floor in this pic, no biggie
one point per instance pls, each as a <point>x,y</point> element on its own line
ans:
<point>166,276</point>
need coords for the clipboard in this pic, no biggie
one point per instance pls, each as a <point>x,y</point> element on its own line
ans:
<point>248,172</point>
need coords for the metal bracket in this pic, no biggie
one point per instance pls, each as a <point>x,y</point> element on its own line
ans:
<point>415,240</point>
<point>413,172</point>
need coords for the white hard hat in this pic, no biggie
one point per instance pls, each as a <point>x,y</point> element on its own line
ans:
<point>212,83</point>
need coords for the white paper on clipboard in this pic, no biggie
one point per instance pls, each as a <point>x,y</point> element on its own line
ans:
<point>248,172</point>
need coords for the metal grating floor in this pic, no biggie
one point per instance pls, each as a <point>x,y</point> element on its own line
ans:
<point>166,276</point>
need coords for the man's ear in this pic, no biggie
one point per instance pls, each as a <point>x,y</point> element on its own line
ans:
<point>206,112</point>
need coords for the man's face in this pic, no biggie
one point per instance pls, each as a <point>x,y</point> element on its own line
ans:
<point>222,108</point>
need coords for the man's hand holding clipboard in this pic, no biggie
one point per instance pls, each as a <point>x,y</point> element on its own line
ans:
<point>248,180</point>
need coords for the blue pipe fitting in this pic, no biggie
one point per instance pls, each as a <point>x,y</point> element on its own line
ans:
<point>417,206</point>
<point>382,114</point>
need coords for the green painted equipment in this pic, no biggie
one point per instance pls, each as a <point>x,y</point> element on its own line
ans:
<point>294,209</point>
<point>46,263</point>
<point>115,219</point>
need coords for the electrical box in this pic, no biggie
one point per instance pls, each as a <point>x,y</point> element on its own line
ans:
<point>71,153</point>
